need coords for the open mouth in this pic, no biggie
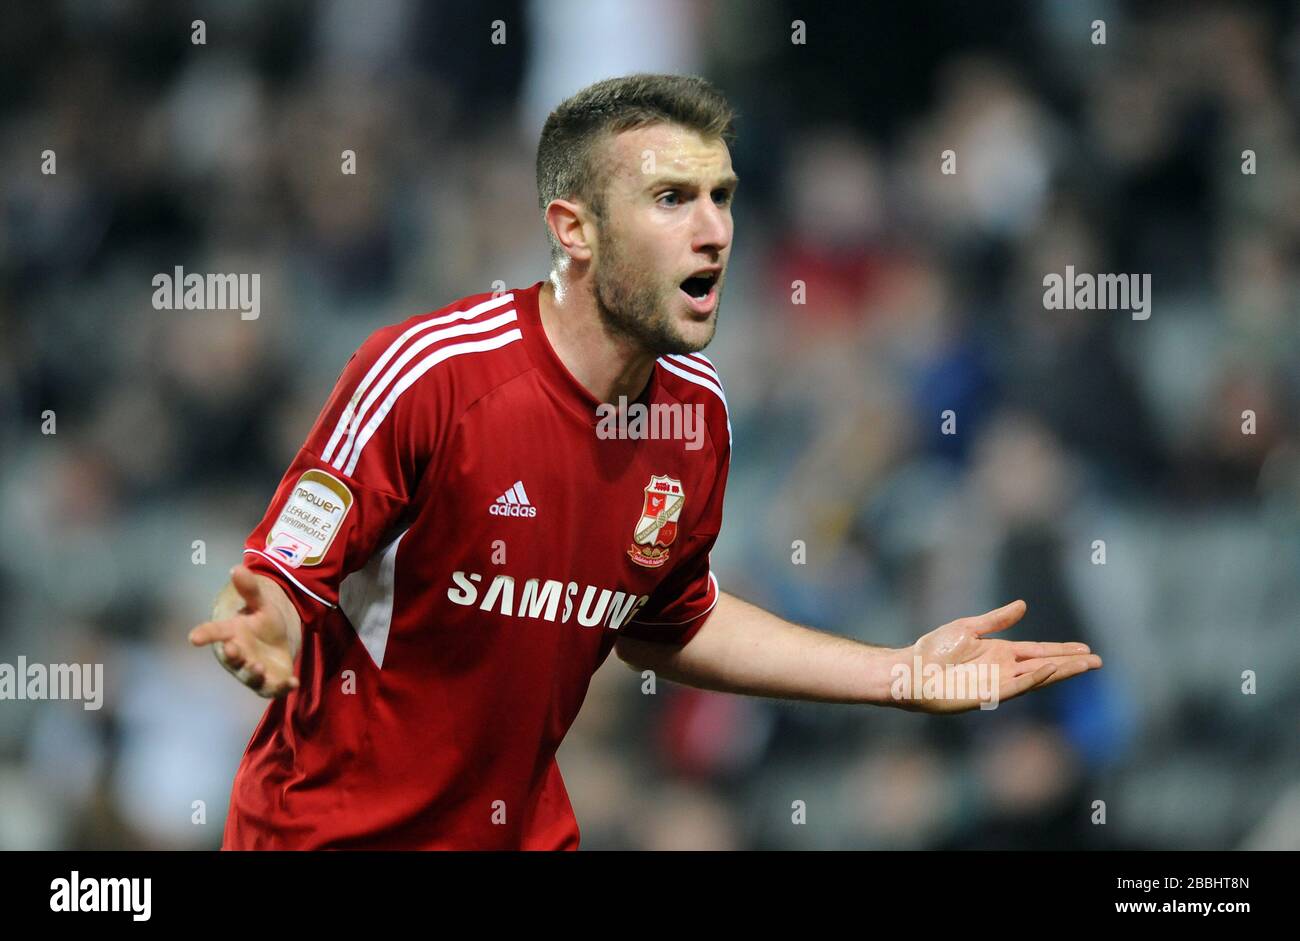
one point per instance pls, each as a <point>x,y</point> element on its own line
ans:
<point>701,290</point>
<point>699,286</point>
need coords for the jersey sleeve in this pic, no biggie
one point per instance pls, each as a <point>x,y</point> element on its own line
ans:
<point>351,481</point>
<point>678,607</point>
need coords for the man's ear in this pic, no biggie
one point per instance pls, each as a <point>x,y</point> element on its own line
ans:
<point>571,226</point>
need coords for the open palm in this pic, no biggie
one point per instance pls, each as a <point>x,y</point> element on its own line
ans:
<point>1016,667</point>
<point>253,643</point>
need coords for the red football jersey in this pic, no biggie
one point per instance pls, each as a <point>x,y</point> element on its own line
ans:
<point>464,541</point>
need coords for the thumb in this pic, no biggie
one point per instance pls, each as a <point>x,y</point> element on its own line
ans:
<point>245,583</point>
<point>1001,618</point>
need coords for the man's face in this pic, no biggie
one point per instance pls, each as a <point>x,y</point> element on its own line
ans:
<point>662,245</point>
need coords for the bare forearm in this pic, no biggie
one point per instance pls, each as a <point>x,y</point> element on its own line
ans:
<point>229,603</point>
<point>744,649</point>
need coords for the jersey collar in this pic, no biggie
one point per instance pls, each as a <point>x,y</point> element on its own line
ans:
<point>572,393</point>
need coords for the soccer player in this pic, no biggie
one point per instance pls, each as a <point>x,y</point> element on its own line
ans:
<point>461,541</point>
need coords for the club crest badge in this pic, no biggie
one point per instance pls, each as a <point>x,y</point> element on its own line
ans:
<point>656,528</point>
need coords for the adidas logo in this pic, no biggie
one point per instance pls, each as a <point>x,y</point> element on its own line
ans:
<point>514,502</point>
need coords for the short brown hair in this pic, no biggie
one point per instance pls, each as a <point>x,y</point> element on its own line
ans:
<point>569,157</point>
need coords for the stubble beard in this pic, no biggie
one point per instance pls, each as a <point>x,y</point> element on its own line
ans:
<point>632,306</point>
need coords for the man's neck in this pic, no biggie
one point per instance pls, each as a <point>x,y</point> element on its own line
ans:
<point>607,365</point>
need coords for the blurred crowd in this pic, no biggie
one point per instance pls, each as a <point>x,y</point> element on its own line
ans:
<point>1099,468</point>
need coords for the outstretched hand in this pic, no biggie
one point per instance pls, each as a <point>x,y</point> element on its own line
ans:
<point>1016,667</point>
<point>252,642</point>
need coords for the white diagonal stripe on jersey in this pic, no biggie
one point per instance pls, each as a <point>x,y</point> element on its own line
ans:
<point>700,381</point>
<point>379,364</point>
<point>511,498</point>
<point>519,491</point>
<point>697,368</point>
<point>447,333</point>
<point>412,375</point>
<point>699,364</point>
<point>705,360</point>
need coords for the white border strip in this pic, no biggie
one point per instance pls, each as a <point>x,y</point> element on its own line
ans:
<point>290,577</point>
<point>717,593</point>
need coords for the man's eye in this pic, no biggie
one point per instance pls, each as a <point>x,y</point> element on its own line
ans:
<point>670,195</point>
<point>722,197</point>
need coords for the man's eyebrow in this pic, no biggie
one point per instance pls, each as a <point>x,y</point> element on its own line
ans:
<point>730,182</point>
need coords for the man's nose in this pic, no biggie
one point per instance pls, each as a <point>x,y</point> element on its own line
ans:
<point>712,228</point>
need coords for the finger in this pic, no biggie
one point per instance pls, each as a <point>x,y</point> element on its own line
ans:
<point>230,654</point>
<point>1001,618</point>
<point>245,583</point>
<point>1068,671</point>
<point>209,631</point>
<point>272,689</point>
<point>1031,648</point>
<point>256,676</point>
<point>1025,682</point>
<point>287,687</point>
<point>1090,661</point>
